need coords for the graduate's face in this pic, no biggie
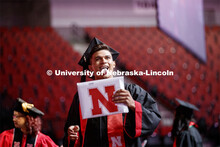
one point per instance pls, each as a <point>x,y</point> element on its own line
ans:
<point>100,60</point>
<point>19,119</point>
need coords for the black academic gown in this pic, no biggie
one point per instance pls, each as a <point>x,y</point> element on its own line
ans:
<point>189,138</point>
<point>96,128</point>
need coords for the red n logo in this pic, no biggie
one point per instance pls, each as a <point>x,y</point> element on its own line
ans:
<point>96,95</point>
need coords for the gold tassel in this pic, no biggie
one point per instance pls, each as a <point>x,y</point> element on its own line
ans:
<point>26,106</point>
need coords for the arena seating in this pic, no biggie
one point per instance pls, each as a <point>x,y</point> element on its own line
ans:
<point>150,49</point>
<point>26,55</point>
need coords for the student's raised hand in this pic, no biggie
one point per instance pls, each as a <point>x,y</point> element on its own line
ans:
<point>73,132</point>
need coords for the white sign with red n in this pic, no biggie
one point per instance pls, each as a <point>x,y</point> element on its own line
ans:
<point>96,97</point>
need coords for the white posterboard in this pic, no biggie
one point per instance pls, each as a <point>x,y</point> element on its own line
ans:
<point>95,97</point>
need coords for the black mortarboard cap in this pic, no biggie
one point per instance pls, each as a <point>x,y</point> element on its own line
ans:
<point>27,108</point>
<point>187,105</point>
<point>185,108</point>
<point>85,60</point>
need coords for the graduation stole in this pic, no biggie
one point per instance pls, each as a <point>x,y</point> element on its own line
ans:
<point>115,130</point>
<point>114,127</point>
<point>191,124</point>
<point>21,140</point>
<point>17,140</point>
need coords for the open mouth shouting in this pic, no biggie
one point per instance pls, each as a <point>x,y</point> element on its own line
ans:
<point>104,70</point>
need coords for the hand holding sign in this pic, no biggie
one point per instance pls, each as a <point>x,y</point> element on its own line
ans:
<point>124,96</point>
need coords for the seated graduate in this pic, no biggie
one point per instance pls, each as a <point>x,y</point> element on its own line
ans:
<point>27,124</point>
<point>184,131</point>
<point>142,119</point>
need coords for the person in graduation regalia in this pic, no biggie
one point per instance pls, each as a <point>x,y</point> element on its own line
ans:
<point>184,131</point>
<point>27,124</point>
<point>113,130</point>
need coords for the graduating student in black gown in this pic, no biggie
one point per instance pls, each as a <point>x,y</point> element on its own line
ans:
<point>113,130</point>
<point>184,132</point>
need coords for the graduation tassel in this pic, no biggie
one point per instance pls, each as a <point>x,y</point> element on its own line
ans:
<point>83,78</point>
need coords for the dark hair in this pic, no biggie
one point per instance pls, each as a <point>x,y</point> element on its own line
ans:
<point>99,47</point>
<point>33,125</point>
<point>180,123</point>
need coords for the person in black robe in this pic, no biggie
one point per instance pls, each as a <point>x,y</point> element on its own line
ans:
<point>141,121</point>
<point>184,131</point>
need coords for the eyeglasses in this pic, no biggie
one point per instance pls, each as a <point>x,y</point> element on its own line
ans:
<point>18,116</point>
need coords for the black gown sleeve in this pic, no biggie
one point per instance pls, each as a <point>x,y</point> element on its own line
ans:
<point>73,118</point>
<point>196,136</point>
<point>189,138</point>
<point>146,117</point>
<point>184,139</point>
